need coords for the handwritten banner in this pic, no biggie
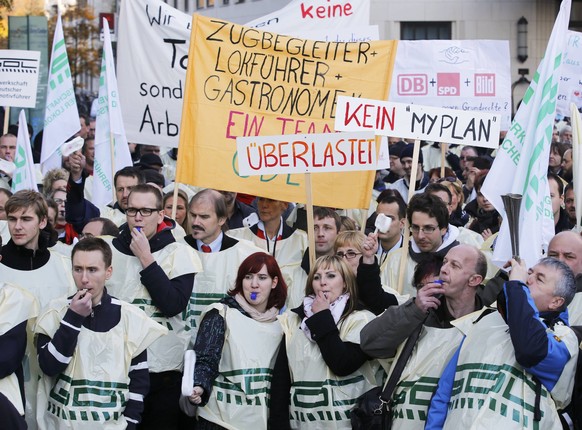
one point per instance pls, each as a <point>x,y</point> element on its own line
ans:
<point>306,153</point>
<point>152,58</point>
<point>418,122</point>
<point>19,71</point>
<point>337,21</point>
<point>570,85</point>
<point>468,75</point>
<point>245,82</point>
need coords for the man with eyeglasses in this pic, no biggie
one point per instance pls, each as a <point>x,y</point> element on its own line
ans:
<point>156,274</point>
<point>428,218</point>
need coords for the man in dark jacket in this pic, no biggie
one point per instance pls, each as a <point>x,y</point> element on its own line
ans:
<point>157,274</point>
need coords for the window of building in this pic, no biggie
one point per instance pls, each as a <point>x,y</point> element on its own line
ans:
<point>425,30</point>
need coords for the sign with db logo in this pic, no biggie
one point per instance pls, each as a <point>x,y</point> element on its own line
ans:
<point>412,85</point>
<point>448,84</point>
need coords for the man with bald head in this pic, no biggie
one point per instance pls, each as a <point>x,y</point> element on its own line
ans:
<point>436,304</point>
<point>566,246</point>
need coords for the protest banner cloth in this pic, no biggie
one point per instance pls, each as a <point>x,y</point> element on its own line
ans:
<point>411,121</point>
<point>468,75</point>
<point>521,164</point>
<point>19,72</point>
<point>111,149</point>
<point>244,82</point>
<point>61,119</point>
<point>24,176</point>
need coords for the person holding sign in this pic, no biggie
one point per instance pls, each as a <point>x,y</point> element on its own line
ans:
<point>238,341</point>
<point>321,353</point>
<point>273,235</point>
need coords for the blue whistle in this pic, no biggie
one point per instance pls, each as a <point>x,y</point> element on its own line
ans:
<point>254,296</point>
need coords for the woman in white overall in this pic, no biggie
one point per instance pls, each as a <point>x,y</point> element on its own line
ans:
<point>321,369</point>
<point>236,347</point>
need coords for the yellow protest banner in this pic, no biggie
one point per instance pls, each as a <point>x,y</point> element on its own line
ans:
<point>246,82</point>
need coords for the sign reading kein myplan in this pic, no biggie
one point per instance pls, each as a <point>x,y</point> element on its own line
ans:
<point>306,153</point>
<point>410,121</point>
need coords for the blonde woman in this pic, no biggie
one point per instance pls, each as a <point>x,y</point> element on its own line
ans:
<point>321,369</point>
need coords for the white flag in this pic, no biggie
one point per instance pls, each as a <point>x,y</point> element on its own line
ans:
<point>521,164</point>
<point>61,117</point>
<point>111,149</point>
<point>24,177</point>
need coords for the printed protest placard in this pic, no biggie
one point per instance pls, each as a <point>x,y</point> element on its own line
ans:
<point>19,72</point>
<point>306,153</point>
<point>468,75</point>
<point>245,82</point>
<point>418,122</point>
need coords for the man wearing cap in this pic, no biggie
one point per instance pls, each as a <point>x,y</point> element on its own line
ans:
<point>403,184</point>
<point>151,161</point>
<point>396,169</point>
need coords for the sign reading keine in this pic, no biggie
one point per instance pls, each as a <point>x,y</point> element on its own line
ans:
<point>418,122</point>
<point>19,71</point>
<point>467,75</point>
<point>306,153</point>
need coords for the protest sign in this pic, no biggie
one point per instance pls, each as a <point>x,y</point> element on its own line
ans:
<point>306,153</point>
<point>410,121</point>
<point>244,82</point>
<point>19,72</point>
<point>468,75</point>
<point>330,21</point>
<point>152,57</point>
<point>570,87</point>
<point>521,164</point>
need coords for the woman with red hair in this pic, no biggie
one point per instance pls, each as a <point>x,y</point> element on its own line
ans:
<point>236,347</point>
